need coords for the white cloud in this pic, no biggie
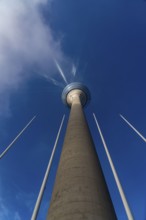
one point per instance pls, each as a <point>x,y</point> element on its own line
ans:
<point>25,42</point>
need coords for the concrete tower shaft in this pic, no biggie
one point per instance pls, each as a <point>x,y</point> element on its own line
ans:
<point>80,191</point>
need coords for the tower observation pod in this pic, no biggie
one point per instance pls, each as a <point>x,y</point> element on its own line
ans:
<point>80,191</point>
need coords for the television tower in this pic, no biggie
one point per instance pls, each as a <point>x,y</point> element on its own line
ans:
<point>80,191</point>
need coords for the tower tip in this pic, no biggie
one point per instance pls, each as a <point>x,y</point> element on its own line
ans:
<point>79,88</point>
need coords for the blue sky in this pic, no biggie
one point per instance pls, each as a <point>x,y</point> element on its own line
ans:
<point>105,40</point>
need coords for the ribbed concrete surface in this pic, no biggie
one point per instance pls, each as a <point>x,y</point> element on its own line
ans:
<point>80,191</point>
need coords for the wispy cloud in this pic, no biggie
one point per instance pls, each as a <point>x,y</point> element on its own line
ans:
<point>17,216</point>
<point>4,212</point>
<point>12,211</point>
<point>27,199</point>
<point>7,214</point>
<point>26,42</point>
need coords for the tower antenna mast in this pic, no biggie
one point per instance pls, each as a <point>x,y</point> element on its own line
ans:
<point>16,138</point>
<point>119,186</point>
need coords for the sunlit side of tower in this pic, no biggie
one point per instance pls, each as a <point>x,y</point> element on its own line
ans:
<point>80,191</point>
